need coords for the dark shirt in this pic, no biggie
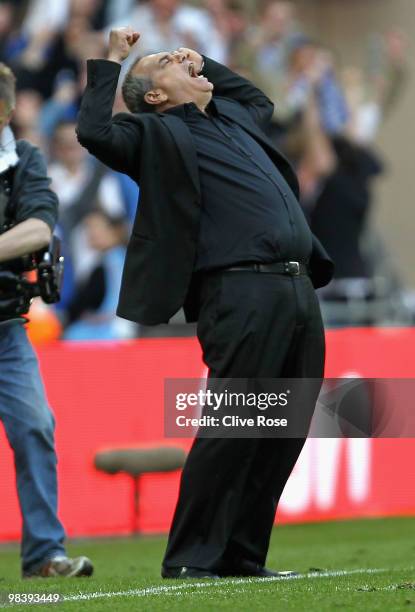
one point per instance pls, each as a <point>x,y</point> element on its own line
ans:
<point>249,212</point>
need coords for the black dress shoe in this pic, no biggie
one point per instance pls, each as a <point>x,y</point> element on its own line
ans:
<point>248,568</point>
<point>184,572</point>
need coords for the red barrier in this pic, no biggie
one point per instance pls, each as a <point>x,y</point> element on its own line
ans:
<point>106,394</point>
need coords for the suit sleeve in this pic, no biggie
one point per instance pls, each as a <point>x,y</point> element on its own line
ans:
<point>114,141</point>
<point>228,84</point>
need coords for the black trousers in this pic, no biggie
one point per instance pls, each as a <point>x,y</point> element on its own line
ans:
<point>251,325</point>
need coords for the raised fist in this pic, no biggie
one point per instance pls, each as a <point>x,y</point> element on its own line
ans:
<point>120,43</point>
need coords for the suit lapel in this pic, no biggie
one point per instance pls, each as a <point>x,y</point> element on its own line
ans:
<point>185,144</point>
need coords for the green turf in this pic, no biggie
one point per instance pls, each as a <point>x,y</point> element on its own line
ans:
<point>133,564</point>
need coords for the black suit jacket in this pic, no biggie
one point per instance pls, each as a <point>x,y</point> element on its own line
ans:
<point>157,151</point>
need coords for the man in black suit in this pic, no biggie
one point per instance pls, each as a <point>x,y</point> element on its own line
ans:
<point>220,232</point>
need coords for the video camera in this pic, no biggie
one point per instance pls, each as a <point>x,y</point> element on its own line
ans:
<point>17,292</point>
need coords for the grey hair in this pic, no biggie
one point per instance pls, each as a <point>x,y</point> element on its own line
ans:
<point>134,88</point>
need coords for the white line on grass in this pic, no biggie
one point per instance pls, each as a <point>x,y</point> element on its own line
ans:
<point>215,584</point>
<point>177,589</point>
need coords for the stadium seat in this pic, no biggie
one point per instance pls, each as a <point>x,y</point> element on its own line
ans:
<point>135,461</point>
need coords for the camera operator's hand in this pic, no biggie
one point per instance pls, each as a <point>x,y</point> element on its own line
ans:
<point>121,42</point>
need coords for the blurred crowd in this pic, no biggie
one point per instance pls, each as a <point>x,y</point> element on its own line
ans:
<point>326,119</point>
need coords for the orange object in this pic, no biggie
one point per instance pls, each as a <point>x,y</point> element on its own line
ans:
<point>44,325</point>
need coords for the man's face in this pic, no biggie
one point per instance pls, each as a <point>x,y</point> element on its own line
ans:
<point>175,80</point>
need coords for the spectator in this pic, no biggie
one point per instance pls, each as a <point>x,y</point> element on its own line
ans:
<point>335,178</point>
<point>26,117</point>
<point>273,37</point>
<point>7,18</point>
<point>169,24</point>
<point>57,14</point>
<point>232,24</point>
<point>91,313</point>
<point>371,96</point>
<point>61,106</point>
<point>335,174</point>
<point>232,21</point>
<point>42,52</point>
<point>345,202</point>
<point>310,149</point>
<point>310,73</point>
<point>118,10</point>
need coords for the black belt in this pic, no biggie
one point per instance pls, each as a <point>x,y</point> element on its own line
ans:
<point>292,268</point>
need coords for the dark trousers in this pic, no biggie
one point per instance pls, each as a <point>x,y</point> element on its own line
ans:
<point>251,325</point>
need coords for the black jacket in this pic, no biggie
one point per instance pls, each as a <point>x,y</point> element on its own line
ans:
<point>27,196</point>
<point>31,196</point>
<point>157,151</point>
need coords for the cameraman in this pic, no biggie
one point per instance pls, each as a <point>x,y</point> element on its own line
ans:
<point>28,213</point>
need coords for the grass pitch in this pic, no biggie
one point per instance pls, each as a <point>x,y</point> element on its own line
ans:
<point>352,565</point>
